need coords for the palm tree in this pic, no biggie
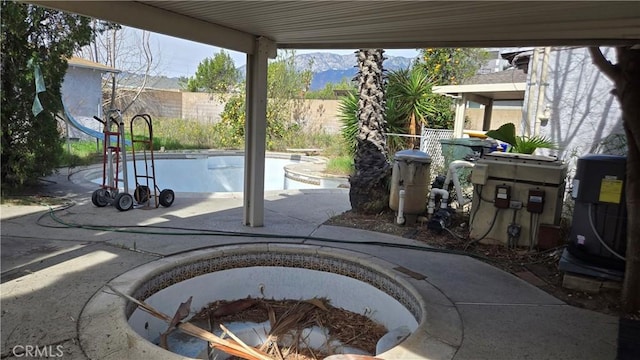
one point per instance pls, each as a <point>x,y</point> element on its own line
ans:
<point>369,191</point>
<point>411,90</point>
<point>348,116</point>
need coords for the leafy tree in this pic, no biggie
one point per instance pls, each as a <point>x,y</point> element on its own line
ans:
<point>448,66</point>
<point>216,74</point>
<point>286,87</point>
<point>31,145</point>
<point>369,192</point>
<point>443,114</point>
<point>626,79</point>
<point>232,122</point>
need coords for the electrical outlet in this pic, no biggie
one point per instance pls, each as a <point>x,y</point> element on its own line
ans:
<point>514,230</point>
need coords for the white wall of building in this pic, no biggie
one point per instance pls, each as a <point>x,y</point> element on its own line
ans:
<point>82,96</point>
<point>581,111</point>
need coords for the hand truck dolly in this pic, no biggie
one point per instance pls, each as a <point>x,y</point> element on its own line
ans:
<point>146,186</point>
<point>113,153</point>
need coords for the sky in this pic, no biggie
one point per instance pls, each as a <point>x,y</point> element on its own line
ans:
<point>178,57</point>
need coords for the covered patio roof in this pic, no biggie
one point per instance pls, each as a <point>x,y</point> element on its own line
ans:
<point>380,24</point>
<point>484,89</point>
<point>258,28</point>
<point>513,91</point>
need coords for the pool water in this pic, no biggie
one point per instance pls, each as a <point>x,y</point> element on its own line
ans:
<point>212,174</point>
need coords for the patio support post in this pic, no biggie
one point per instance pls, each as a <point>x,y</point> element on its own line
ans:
<point>458,124</point>
<point>256,131</point>
<point>486,120</point>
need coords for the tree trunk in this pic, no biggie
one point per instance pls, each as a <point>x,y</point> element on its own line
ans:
<point>412,130</point>
<point>626,77</point>
<point>369,191</point>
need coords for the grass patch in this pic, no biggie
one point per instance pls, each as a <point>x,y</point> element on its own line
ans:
<point>342,165</point>
<point>79,153</point>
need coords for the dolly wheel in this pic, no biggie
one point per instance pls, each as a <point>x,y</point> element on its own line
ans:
<point>123,201</point>
<point>166,197</point>
<point>99,198</point>
<point>141,194</point>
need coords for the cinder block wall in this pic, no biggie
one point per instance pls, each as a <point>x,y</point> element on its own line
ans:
<point>203,107</point>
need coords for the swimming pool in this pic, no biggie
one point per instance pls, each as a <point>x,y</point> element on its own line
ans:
<point>222,173</point>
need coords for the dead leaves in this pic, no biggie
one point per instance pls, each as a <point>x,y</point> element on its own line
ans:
<point>288,318</point>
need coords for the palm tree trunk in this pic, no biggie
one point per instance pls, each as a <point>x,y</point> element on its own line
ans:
<point>626,77</point>
<point>369,191</point>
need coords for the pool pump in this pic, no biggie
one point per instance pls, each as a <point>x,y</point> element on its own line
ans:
<point>440,220</point>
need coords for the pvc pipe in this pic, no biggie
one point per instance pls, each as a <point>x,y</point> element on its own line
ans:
<point>542,89</point>
<point>400,219</point>
<point>527,115</point>
<point>453,175</point>
<point>432,199</point>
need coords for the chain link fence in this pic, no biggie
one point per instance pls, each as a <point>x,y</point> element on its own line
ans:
<point>430,143</point>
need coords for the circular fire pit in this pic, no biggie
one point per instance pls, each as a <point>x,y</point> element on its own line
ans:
<point>352,281</point>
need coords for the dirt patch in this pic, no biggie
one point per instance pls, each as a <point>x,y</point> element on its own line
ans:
<point>540,268</point>
<point>32,200</point>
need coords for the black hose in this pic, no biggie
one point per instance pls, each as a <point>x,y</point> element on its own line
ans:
<point>493,222</point>
<point>209,232</point>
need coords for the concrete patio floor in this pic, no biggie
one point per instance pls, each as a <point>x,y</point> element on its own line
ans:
<point>50,272</point>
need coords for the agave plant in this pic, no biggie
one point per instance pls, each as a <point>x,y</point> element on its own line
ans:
<point>520,144</point>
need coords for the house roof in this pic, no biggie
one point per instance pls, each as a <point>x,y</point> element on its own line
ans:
<point>88,64</point>
<point>396,24</point>
<point>500,77</point>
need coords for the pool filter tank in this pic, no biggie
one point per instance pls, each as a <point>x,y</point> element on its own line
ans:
<point>598,237</point>
<point>409,184</point>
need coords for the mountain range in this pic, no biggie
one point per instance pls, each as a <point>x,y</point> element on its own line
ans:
<point>326,68</point>
<point>332,68</point>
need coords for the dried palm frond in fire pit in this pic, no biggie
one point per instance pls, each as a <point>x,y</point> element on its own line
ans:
<point>288,320</point>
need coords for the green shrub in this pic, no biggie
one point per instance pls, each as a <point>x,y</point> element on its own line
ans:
<point>78,153</point>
